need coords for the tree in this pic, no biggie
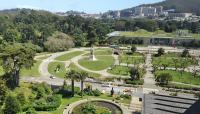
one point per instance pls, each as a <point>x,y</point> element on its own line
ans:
<point>175,61</point>
<point>3,91</point>
<point>82,77</point>
<point>59,42</point>
<point>185,53</point>
<point>133,49</point>
<point>14,58</point>
<point>134,73</point>
<point>164,78</point>
<point>12,35</point>
<point>72,75</point>
<point>161,51</point>
<point>12,105</point>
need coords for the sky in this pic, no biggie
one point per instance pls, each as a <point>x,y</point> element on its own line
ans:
<point>88,6</point>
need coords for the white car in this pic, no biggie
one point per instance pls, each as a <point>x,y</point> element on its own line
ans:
<point>52,77</point>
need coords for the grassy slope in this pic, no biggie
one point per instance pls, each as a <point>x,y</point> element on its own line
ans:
<point>102,63</point>
<point>168,59</point>
<point>52,67</point>
<point>69,56</point>
<point>185,78</point>
<point>34,71</point>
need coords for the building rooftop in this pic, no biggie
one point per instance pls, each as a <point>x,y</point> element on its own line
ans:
<point>162,104</point>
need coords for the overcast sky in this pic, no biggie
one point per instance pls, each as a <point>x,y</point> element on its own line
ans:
<point>88,6</point>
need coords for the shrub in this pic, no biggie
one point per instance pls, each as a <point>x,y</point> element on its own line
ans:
<point>161,51</point>
<point>31,111</point>
<point>126,96</point>
<point>12,105</point>
<point>48,104</point>
<point>164,78</point>
<point>134,82</point>
<point>96,92</point>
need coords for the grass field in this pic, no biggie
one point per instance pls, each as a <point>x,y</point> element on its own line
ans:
<point>34,71</point>
<point>119,70</point>
<point>186,78</point>
<point>101,52</point>
<point>132,59</point>
<point>69,56</point>
<point>174,59</point>
<point>52,67</point>
<point>43,57</point>
<point>158,33</point>
<point>91,75</point>
<point>102,63</point>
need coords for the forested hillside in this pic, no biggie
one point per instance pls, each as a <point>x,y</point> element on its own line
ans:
<point>25,25</point>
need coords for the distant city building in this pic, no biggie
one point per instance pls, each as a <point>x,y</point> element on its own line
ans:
<point>148,11</point>
<point>179,16</point>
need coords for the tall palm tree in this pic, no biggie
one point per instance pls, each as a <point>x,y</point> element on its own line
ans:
<point>82,76</point>
<point>72,75</point>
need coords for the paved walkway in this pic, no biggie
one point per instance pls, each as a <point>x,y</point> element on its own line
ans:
<point>149,80</point>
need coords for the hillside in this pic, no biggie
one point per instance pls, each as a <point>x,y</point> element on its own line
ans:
<point>190,6</point>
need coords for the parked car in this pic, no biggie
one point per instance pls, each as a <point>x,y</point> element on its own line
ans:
<point>52,77</point>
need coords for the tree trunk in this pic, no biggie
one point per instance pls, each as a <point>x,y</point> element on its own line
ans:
<point>16,78</point>
<point>82,88</point>
<point>72,87</point>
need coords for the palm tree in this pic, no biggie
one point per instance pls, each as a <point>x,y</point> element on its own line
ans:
<point>82,76</point>
<point>72,75</point>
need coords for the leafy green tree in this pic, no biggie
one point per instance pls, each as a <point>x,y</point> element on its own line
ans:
<point>12,105</point>
<point>133,49</point>
<point>161,51</point>
<point>22,99</point>
<point>12,35</point>
<point>15,57</point>
<point>82,77</point>
<point>134,73</point>
<point>79,37</point>
<point>59,42</point>
<point>31,111</point>
<point>3,91</point>
<point>164,78</point>
<point>72,75</point>
<point>185,53</point>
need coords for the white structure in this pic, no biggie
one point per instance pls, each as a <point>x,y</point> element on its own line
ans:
<point>92,56</point>
<point>148,11</point>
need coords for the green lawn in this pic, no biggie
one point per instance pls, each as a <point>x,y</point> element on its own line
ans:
<point>132,59</point>
<point>169,59</point>
<point>91,75</point>
<point>120,70</point>
<point>34,71</point>
<point>43,57</point>
<point>102,63</point>
<point>52,67</point>
<point>43,53</point>
<point>158,33</point>
<point>186,78</point>
<point>101,52</point>
<point>69,56</point>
